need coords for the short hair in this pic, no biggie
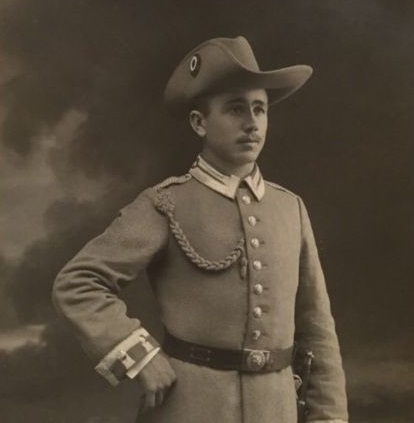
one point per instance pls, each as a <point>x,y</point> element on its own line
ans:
<point>201,103</point>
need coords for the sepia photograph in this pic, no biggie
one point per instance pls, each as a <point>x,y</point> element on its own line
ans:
<point>206,211</point>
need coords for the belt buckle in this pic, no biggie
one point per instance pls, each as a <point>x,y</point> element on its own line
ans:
<point>256,360</point>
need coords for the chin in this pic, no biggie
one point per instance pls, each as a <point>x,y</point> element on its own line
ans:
<point>247,157</point>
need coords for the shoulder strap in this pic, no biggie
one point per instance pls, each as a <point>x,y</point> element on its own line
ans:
<point>173,180</point>
<point>280,188</point>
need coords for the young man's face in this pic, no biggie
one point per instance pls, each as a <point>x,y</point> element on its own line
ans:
<point>234,128</point>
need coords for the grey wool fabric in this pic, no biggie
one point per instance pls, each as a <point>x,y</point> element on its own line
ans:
<point>215,307</point>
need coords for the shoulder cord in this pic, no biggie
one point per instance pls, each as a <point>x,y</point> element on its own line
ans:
<point>165,205</point>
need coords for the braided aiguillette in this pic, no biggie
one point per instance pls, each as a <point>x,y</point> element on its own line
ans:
<point>165,205</point>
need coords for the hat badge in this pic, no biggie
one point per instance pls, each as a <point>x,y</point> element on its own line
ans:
<point>195,64</point>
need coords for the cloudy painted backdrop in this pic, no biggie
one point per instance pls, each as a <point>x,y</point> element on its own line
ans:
<point>82,131</point>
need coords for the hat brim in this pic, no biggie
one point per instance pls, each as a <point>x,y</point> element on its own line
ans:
<point>279,84</point>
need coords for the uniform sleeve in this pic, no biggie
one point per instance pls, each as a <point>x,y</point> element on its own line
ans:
<point>315,331</point>
<point>86,291</point>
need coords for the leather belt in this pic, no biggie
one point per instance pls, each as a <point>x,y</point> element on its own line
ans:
<point>246,360</point>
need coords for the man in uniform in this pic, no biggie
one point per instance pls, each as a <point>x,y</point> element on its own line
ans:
<point>232,260</point>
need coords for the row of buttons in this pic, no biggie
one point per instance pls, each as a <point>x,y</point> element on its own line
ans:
<point>257,265</point>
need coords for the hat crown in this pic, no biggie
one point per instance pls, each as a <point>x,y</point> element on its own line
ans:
<point>239,48</point>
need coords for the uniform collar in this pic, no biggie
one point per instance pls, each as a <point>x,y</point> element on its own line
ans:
<point>227,185</point>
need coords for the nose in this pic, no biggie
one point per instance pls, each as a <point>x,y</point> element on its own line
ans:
<point>250,123</point>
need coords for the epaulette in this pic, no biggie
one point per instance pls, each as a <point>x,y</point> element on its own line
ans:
<point>172,180</point>
<point>280,188</point>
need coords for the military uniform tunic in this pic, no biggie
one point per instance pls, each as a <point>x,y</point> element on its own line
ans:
<point>234,265</point>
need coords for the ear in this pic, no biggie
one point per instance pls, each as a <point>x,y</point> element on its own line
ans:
<point>197,122</point>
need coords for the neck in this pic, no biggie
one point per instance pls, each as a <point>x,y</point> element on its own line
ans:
<point>240,171</point>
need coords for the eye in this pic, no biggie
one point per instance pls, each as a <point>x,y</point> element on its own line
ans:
<point>259,110</point>
<point>237,109</point>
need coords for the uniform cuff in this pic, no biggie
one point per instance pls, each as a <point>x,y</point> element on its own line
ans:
<point>125,355</point>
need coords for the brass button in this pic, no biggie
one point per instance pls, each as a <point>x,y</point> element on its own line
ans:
<point>256,334</point>
<point>258,289</point>
<point>255,243</point>
<point>252,220</point>
<point>257,312</point>
<point>246,199</point>
<point>257,265</point>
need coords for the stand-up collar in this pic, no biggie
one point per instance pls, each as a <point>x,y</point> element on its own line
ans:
<point>227,185</point>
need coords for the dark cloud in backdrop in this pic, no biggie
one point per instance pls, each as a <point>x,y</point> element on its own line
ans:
<point>83,131</point>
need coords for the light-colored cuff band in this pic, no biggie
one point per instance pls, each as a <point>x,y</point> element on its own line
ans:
<point>125,355</point>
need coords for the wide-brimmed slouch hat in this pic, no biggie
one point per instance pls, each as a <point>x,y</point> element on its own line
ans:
<point>225,64</point>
